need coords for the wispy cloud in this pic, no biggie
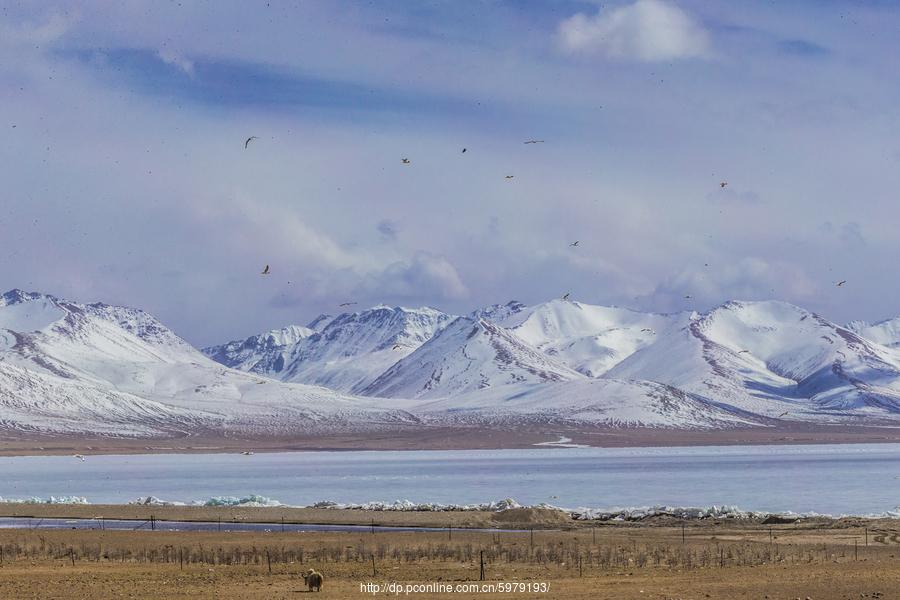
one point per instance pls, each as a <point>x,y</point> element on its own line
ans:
<point>648,30</point>
<point>173,58</point>
<point>802,47</point>
<point>127,180</point>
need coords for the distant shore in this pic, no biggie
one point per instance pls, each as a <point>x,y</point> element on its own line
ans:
<point>516,518</point>
<point>19,444</point>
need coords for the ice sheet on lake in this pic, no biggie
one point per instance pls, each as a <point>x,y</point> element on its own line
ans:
<point>50,500</point>
<point>406,505</point>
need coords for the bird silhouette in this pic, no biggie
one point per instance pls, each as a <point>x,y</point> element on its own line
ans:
<point>688,297</point>
<point>841,283</point>
<point>722,184</point>
<point>566,297</point>
<point>464,151</point>
<point>78,456</point>
<point>534,142</point>
<point>647,329</point>
<point>742,351</point>
<point>783,414</point>
<point>510,176</point>
<point>346,304</point>
<point>396,347</point>
<point>265,271</point>
<point>405,161</point>
<point>575,243</point>
<point>249,139</point>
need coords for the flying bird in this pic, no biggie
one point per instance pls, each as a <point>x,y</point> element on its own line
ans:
<point>647,329</point>
<point>405,161</point>
<point>722,184</point>
<point>510,176</point>
<point>78,456</point>
<point>840,283</point>
<point>346,304</point>
<point>783,414</point>
<point>265,271</point>
<point>688,297</point>
<point>247,453</point>
<point>742,351</point>
<point>464,151</point>
<point>534,142</point>
<point>249,139</point>
<point>396,347</point>
<point>566,297</point>
<point>575,243</point>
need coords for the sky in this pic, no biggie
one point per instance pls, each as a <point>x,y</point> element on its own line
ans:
<point>126,179</point>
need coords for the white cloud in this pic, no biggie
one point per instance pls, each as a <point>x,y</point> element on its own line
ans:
<point>751,278</point>
<point>177,60</point>
<point>426,275</point>
<point>648,30</point>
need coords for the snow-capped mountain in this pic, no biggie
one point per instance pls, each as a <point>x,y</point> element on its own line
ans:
<point>468,355</point>
<point>773,358</point>
<point>589,339</point>
<point>264,353</point>
<point>71,367</point>
<point>497,313</point>
<point>886,333</point>
<point>345,353</point>
<point>74,368</point>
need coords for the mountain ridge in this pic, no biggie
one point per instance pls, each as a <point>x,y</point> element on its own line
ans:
<point>67,366</point>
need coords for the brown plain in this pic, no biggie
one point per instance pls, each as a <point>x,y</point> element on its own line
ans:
<point>817,559</point>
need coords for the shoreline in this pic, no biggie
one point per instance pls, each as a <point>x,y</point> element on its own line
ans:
<point>521,518</point>
<point>18,444</point>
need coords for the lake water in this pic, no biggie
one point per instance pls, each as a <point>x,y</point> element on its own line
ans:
<point>828,479</point>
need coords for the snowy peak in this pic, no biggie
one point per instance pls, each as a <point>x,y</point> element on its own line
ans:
<point>17,296</point>
<point>25,312</point>
<point>498,312</point>
<point>345,352</point>
<point>466,356</point>
<point>265,353</point>
<point>383,326</point>
<point>590,339</point>
<point>353,349</point>
<point>320,322</point>
<point>886,333</point>
<point>755,355</point>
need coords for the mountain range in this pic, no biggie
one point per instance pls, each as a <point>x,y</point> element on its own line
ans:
<point>72,368</point>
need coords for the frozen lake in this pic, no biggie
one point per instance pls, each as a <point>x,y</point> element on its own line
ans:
<point>830,479</point>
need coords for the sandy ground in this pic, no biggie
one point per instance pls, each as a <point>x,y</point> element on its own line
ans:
<point>12,444</point>
<point>629,561</point>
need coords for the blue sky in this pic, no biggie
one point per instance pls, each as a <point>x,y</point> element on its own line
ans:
<point>127,180</point>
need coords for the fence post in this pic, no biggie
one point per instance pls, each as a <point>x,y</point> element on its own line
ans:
<point>482,565</point>
<point>373,564</point>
